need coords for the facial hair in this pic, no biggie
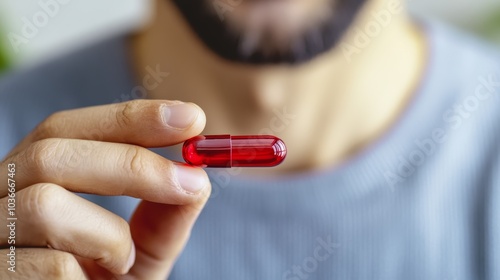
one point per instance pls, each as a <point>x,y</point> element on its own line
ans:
<point>217,35</point>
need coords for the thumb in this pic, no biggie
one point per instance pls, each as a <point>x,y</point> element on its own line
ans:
<point>160,233</point>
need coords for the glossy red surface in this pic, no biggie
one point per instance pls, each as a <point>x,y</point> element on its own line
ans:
<point>233,151</point>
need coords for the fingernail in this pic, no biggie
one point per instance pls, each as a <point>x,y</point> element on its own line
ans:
<point>191,179</point>
<point>131,258</point>
<point>180,115</point>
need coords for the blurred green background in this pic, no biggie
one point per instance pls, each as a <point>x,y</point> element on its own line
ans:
<point>490,28</point>
<point>4,60</point>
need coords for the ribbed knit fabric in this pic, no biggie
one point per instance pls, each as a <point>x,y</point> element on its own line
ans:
<point>422,202</point>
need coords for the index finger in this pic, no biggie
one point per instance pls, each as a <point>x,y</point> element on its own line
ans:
<point>147,123</point>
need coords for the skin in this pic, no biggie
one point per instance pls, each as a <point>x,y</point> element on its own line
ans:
<point>103,150</point>
<point>241,99</point>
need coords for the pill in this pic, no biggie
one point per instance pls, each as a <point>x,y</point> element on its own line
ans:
<point>234,151</point>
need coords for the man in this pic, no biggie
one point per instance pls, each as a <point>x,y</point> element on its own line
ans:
<point>392,129</point>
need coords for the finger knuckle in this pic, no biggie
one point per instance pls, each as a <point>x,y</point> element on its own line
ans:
<point>125,114</point>
<point>121,235</point>
<point>134,162</point>
<point>63,266</point>
<point>48,128</point>
<point>40,200</point>
<point>41,153</point>
<point>128,112</point>
<point>123,229</point>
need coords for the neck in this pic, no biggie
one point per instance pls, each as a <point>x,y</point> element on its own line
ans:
<point>325,110</point>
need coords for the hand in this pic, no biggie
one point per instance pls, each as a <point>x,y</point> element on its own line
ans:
<point>102,150</point>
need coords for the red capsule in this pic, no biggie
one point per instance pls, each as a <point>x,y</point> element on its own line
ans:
<point>234,151</point>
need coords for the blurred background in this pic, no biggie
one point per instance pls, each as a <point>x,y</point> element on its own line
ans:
<point>33,31</point>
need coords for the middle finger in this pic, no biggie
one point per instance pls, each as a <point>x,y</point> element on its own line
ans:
<point>106,169</point>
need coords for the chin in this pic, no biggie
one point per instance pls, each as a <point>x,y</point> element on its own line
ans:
<point>269,31</point>
<point>273,26</point>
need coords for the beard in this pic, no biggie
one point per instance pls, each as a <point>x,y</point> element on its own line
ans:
<point>272,42</point>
